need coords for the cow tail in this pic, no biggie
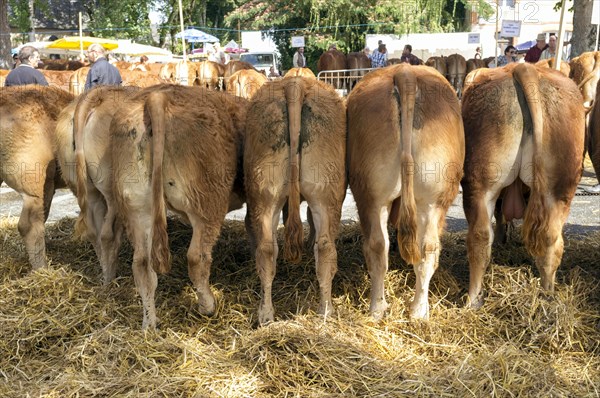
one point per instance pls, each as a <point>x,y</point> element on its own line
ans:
<point>294,95</point>
<point>535,223</point>
<point>160,256</point>
<point>83,110</point>
<point>406,84</point>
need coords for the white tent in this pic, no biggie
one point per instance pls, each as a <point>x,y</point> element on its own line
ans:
<point>42,48</point>
<point>232,44</point>
<point>127,47</point>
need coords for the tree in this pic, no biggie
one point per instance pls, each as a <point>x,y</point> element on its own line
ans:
<point>5,44</point>
<point>120,18</point>
<point>584,33</point>
<point>202,13</point>
<point>346,22</point>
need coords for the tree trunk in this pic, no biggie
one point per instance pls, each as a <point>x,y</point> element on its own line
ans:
<point>5,43</point>
<point>584,33</point>
<point>31,21</point>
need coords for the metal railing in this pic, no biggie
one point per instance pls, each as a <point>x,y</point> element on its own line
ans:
<point>343,80</point>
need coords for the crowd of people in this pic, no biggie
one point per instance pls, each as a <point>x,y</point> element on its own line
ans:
<point>102,72</point>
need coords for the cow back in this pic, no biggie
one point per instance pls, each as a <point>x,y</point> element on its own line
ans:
<point>245,83</point>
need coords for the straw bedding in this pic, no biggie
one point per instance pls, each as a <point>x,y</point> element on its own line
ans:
<point>63,334</point>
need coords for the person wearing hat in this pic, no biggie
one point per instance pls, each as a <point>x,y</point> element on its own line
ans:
<point>534,53</point>
<point>25,72</point>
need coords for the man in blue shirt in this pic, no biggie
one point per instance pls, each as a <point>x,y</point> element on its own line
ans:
<point>26,73</point>
<point>101,72</point>
<point>379,57</point>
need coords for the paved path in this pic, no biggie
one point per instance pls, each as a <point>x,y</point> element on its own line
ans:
<point>584,217</point>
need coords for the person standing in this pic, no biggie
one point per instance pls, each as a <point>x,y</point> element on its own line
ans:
<point>408,57</point>
<point>508,58</point>
<point>379,57</point>
<point>477,53</point>
<point>299,60</point>
<point>534,53</point>
<point>550,52</point>
<point>25,72</point>
<point>101,72</point>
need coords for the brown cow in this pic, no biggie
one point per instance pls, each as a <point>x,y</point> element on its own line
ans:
<point>585,71</point>
<point>295,148</point>
<point>62,64</point>
<point>516,137</point>
<point>473,64</point>
<point>77,80</point>
<point>166,152</point>
<point>27,157</point>
<point>234,66</point>
<point>393,61</point>
<point>135,78</point>
<point>245,83</point>
<point>3,74</point>
<point>405,156</point>
<point>356,61</point>
<point>333,60</point>
<point>565,68</point>
<point>209,74</point>
<point>84,155</point>
<point>58,78</point>
<point>456,70</point>
<point>304,72</point>
<point>171,72</point>
<point>437,63</point>
<point>593,139</point>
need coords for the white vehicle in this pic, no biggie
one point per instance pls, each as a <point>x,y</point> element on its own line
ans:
<point>262,61</point>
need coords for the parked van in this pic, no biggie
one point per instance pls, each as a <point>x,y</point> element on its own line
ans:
<point>262,61</point>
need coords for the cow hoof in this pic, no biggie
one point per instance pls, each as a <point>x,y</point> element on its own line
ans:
<point>265,316</point>
<point>326,309</point>
<point>419,311</point>
<point>378,310</point>
<point>475,302</point>
<point>206,305</point>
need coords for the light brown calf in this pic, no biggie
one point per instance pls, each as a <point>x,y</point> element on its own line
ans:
<point>27,157</point>
<point>168,153</point>
<point>524,125</point>
<point>295,148</point>
<point>245,83</point>
<point>405,156</point>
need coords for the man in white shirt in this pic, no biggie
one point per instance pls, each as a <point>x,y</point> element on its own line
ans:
<point>299,60</point>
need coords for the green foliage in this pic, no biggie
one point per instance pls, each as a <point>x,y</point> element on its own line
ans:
<point>121,19</point>
<point>346,22</point>
<point>20,16</point>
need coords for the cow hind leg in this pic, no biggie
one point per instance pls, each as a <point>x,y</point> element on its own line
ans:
<point>266,257</point>
<point>144,276</point>
<point>428,233</point>
<point>96,210</point>
<point>376,247</point>
<point>199,257</point>
<point>326,226</point>
<point>479,244</point>
<point>31,228</point>
<point>548,263</point>
<point>110,241</point>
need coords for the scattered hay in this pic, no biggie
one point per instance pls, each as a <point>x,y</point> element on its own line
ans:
<point>63,334</point>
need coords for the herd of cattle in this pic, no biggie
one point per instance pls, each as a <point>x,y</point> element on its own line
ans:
<point>401,140</point>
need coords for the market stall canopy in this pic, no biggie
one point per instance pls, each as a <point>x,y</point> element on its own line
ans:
<point>126,47</point>
<point>41,47</point>
<point>522,47</point>
<point>71,43</point>
<point>197,36</point>
<point>232,44</point>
